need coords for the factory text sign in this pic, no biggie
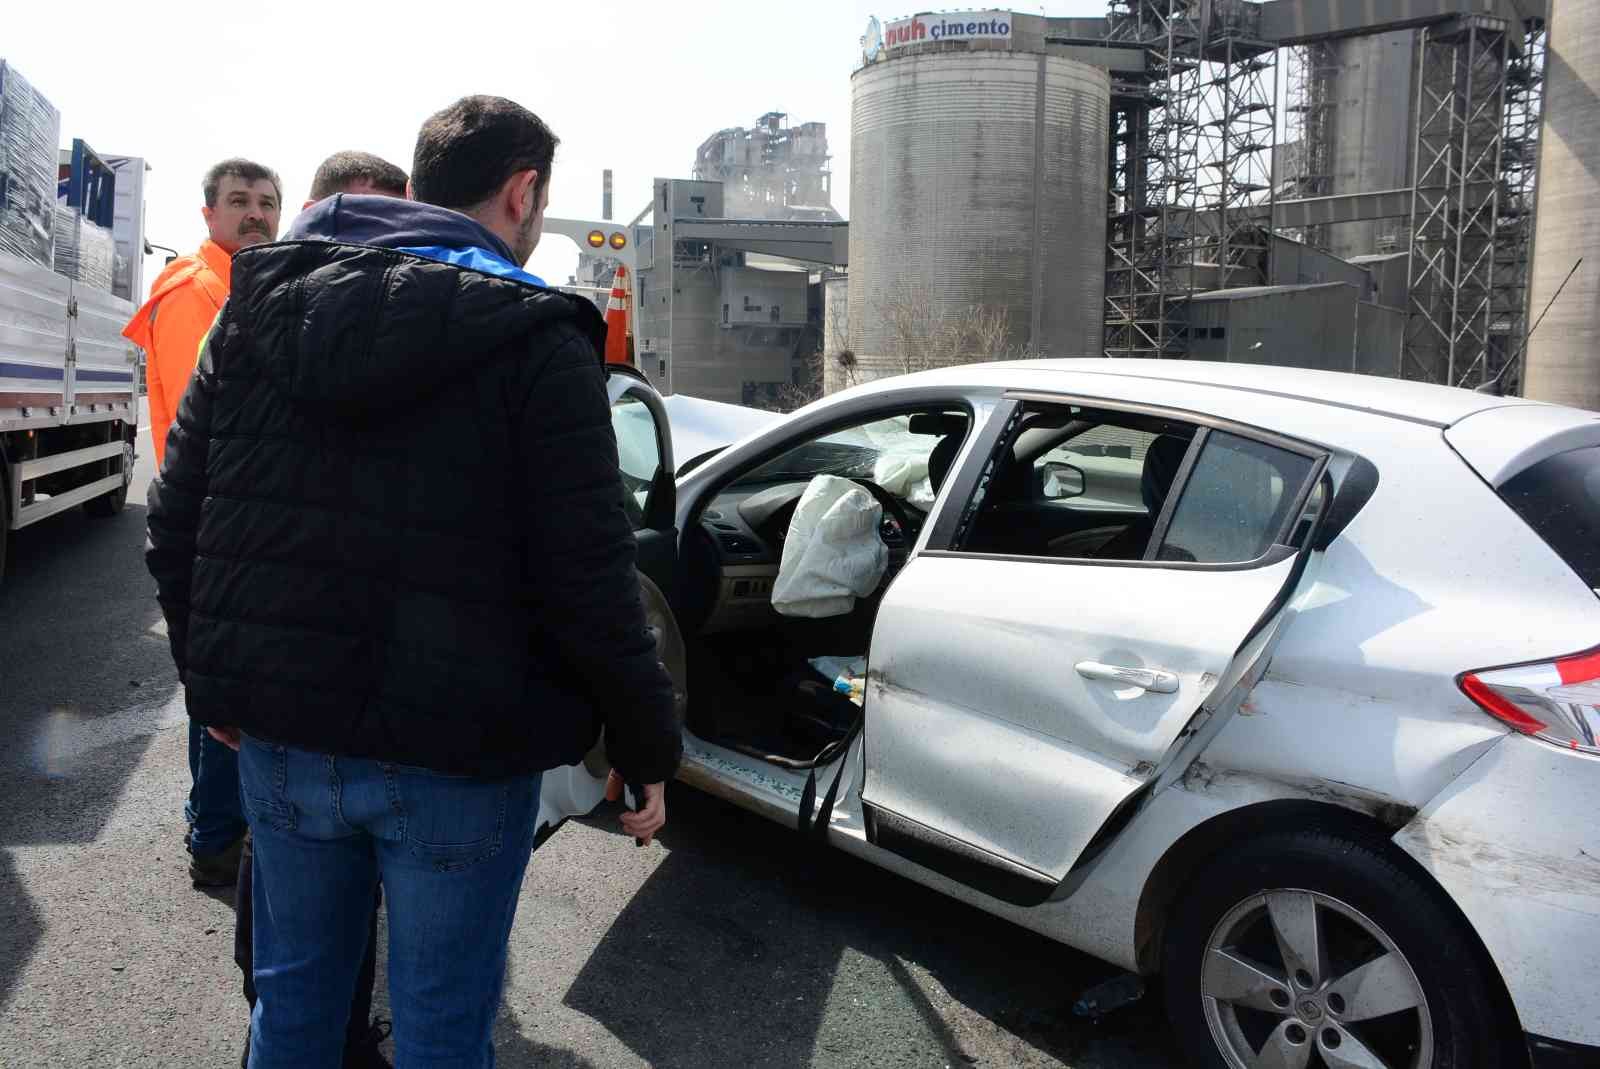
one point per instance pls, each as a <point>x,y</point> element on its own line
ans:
<point>954,26</point>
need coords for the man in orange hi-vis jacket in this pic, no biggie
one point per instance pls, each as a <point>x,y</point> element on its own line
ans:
<point>242,205</point>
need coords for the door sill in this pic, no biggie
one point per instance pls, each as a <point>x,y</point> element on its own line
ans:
<point>746,781</point>
<point>954,859</point>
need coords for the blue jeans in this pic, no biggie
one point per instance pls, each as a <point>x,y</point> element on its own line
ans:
<point>213,812</point>
<point>451,853</point>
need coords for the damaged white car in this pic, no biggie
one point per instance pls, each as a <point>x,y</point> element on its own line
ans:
<point>1280,684</point>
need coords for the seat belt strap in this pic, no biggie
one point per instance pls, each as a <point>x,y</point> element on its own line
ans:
<point>818,829</point>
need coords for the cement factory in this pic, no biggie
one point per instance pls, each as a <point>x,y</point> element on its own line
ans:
<point>1399,189</point>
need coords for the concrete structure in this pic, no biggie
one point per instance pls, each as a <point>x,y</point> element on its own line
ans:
<point>977,186</point>
<point>1331,328</point>
<point>838,359</point>
<point>1563,363</point>
<point>770,170</point>
<point>1371,131</point>
<point>727,309</point>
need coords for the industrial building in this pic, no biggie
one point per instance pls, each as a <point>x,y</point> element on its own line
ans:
<point>1368,171</point>
<point>726,268</point>
<point>770,170</point>
<point>728,309</point>
<point>729,267</point>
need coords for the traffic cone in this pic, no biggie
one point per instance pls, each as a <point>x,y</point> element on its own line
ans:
<point>617,319</point>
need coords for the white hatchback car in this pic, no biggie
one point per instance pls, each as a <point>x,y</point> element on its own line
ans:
<point>1281,684</point>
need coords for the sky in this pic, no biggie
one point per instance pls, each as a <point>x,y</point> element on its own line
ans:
<point>626,84</point>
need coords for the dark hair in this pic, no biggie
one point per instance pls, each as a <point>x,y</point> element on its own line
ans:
<point>344,169</point>
<point>468,150</point>
<point>248,170</point>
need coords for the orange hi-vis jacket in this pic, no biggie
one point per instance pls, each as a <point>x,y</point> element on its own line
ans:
<point>188,294</point>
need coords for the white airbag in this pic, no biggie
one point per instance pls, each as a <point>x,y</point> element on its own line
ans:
<point>833,553</point>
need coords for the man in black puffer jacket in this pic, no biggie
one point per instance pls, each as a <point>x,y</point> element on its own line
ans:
<point>390,543</point>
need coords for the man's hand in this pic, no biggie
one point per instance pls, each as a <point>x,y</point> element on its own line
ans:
<point>229,737</point>
<point>650,818</point>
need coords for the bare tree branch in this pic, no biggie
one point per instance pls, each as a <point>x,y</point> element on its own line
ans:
<point>920,340</point>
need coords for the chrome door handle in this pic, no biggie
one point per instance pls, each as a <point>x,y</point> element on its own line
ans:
<point>1151,679</point>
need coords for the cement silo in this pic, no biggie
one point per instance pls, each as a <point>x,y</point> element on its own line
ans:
<point>977,192</point>
<point>1564,353</point>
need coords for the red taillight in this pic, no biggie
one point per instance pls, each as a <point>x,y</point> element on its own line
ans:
<point>1558,701</point>
<point>1584,668</point>
<point>1498,707</point>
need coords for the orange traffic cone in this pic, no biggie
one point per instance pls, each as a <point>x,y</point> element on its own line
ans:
<point>617,319</point>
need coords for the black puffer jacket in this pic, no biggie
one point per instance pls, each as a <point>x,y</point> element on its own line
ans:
<point>390,521</point>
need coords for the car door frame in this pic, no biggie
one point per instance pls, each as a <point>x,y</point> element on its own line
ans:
<point>657,534</point>
<point>1348,482</point>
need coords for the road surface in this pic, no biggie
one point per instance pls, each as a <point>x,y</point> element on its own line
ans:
<point>723,945</point>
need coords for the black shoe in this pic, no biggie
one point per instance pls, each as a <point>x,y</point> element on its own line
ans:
<point>358,1054</point>
<point>363,1053</point>
<point>217,870</point>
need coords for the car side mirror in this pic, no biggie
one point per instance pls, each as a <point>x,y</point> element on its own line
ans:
<point>1058,482</point>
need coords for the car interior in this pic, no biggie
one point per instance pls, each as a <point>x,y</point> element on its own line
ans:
<point>751,679</point>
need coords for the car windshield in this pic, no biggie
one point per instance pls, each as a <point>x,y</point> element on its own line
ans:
<point>852,453</point>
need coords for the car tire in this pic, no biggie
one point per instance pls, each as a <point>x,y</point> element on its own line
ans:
<point>1397,974</point>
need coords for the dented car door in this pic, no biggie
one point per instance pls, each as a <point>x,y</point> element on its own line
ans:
<point>1016,703</point>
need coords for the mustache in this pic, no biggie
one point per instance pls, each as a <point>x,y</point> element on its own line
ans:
<point>256,228</point>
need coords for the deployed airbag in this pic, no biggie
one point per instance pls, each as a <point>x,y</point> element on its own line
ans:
<point>833,553</point>
<point>904,473</point>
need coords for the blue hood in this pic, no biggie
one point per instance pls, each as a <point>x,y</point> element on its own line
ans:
<point>408,226</point>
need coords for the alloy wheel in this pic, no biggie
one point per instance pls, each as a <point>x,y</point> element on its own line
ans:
<point>1296,979</point>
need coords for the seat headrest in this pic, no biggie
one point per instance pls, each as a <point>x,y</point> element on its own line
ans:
<point>939,461</point>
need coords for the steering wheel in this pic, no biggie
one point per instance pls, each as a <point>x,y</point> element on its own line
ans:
<point>895,511</point>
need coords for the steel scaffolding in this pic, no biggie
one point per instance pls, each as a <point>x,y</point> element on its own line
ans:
<point>1132,318</point>
<point>1455,204</point>
<point>1237,108</point>
<point>1513,269</point>
<point>1308,143</point>
<point>1182,192</point>
<point>1195,177</point>
<point>1153,181</point>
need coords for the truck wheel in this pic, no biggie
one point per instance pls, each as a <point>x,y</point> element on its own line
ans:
<point>1315,948</point>
<point>111,504</point>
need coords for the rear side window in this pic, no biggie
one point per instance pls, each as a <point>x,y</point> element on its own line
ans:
<point>1236,502</point>
<point>1560,499</point>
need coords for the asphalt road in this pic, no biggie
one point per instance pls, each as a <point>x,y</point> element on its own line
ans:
<point>722,945</point>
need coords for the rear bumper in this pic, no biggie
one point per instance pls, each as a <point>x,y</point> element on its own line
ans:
<point>1513,843</point>
<point>1554,1054</point>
